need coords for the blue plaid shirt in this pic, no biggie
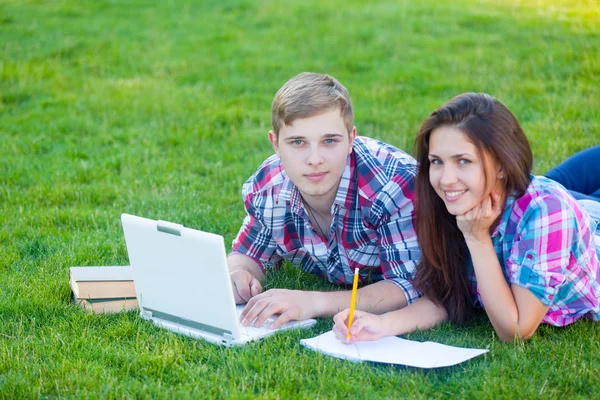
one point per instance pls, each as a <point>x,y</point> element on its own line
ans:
<point>372,226</point>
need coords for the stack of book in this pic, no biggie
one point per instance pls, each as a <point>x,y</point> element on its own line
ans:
<point>103,289</point>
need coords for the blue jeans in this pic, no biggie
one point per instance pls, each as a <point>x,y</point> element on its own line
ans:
<point>580,174</point>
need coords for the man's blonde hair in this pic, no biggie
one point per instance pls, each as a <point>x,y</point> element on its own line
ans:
<point>309,94</point>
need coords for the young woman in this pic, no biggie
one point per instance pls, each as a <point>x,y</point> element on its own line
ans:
<point>493,235</point>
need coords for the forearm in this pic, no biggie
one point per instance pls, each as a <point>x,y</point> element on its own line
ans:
<point>422,314</point>
<point>497,297</point>
<point>377,298</point>
<point>241,262</point>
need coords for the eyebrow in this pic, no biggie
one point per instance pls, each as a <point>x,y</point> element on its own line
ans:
<point>324,136</point>
<point>455,156</point>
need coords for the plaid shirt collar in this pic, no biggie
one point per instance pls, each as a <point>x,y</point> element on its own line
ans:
<point>508,205</point>
<point>345,192</point>
<point>498,233</point>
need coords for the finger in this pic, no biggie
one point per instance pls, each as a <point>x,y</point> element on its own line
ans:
<point>493,205</point>
<point>268,311</point>
<point>360,314</point>
<point>245,311</point>
<point>255,287</point>
<point>496,199</point>
<point>340,327</point>
<point>484,208</point>
<point>249,307</point>
<point>340,318</point>
<point>255,306</point>
<point>236,297</point>
<point>363,325</point>
<point>358,326</point>
<point>242,290</point>
<point>293,314</point>
<point>341,331</point>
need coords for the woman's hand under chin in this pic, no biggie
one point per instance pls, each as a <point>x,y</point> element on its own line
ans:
<point>475,224</point>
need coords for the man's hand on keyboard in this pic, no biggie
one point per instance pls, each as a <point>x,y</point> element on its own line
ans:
<point>289,305</point>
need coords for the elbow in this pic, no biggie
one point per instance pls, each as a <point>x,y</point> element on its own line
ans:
<point>515,335</point>
<point>440,314</point>
<point>437,313</point>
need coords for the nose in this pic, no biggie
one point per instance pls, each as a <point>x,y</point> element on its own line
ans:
<point>314,157</point>
<point>448,176</point>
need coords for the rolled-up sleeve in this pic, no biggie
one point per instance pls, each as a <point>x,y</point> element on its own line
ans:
<point>399,250</point>
<point>255,240</point>
<point>540,256</point>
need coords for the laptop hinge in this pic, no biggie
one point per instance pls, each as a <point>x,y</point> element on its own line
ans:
<point>228,336</point>
<point>190,324</point>
<point>169,227</point>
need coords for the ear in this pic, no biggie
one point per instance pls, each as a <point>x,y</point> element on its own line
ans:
<point>274,142</point>
<point>501,174</point>
<point>351,137</point>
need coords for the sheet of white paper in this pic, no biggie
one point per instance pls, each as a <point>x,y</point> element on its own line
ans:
<point>393,350</point>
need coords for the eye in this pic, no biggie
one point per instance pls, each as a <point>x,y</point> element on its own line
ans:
<point>297,142</point>
<point>436,161</point>
<point>464,161</point>
<point>329,141</point>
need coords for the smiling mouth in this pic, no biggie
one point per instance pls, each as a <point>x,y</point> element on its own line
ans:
<point>452,196</point>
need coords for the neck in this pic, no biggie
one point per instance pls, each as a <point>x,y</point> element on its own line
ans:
<point>320,204</point>
<point>320,218</point>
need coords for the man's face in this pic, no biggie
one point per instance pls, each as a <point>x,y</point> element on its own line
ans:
<point>313,151</point>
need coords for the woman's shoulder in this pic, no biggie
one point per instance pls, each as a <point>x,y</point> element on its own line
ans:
<point>544,192</point>
<point>546,199</point>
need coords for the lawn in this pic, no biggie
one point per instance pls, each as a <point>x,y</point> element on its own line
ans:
<point>162,108</point>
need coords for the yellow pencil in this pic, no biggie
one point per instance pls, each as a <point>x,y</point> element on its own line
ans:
<point>352,301</point>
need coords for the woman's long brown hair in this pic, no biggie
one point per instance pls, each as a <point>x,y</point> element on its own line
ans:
<point>496,133</point>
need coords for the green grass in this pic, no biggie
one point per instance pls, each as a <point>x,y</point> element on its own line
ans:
<point>161,109</point>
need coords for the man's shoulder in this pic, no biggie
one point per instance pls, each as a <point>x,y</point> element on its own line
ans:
<point>374,154</point>
<point>385,178</point>
<point>268,178</point>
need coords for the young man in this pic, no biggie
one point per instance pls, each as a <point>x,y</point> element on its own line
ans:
<point>329,202</point>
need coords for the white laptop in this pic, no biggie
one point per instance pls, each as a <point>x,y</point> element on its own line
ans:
<point>182,282</point>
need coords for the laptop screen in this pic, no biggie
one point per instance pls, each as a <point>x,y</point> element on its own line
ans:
<point>181,274</point>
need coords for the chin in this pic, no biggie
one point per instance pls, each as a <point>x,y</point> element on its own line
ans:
<point>453,210</point>
<point>312,191</point>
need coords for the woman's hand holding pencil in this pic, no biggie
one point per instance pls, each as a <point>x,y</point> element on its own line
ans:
<point>352,325</point>
<point>365,326</point>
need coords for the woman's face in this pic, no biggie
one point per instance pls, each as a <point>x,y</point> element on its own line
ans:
<point>456,171</point>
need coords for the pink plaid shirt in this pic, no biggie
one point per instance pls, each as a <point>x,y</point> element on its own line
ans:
<point>545,243</point>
